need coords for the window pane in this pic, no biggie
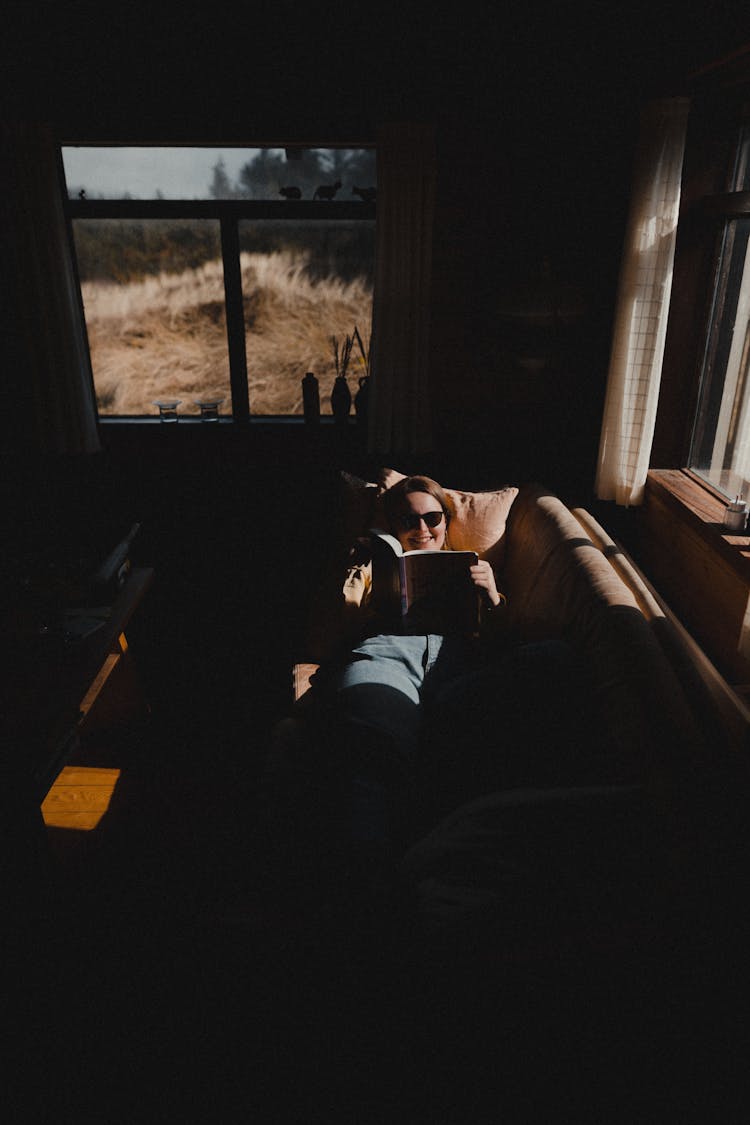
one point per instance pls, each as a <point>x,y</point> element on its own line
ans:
<point>215,173</point>
<point>153,294</point>
<point>721,445</point>
<point>303,282</point>
<point>742,169</point>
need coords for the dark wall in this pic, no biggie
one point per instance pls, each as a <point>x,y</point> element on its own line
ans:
<point>536,109</point>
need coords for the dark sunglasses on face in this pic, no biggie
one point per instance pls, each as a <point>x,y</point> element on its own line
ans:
<point>410,521</point>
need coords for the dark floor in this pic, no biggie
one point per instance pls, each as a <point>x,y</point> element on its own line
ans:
<point>168,980</point>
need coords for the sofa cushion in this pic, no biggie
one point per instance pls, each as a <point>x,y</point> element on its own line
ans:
<point>558,583</point>
<point>554,576</point>
<point>525,867</point>
<point>358,500</point>
<point>478,519</point>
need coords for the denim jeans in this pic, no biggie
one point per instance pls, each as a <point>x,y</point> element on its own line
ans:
<point>388,678</point>
<point>419,723</point>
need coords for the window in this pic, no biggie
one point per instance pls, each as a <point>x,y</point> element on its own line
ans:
<point>211,274</point>
<point>720,446</point>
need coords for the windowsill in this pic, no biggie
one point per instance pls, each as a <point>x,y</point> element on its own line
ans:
<point>702,509</point>
<point>194,420</point>
<point>701,570</point>
<point>283,436</point>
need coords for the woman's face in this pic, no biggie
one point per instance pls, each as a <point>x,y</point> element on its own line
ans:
<point>414,534</point>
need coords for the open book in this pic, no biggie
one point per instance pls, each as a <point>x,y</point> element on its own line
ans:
<point>424,591</point>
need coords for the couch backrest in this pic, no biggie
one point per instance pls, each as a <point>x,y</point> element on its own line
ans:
<point>559,583</point>
<point>722,713</point>
<point>553,574</point>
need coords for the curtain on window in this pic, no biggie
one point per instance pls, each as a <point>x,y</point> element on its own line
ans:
<point>51,378</point>
<point>400,408</point>
<point>642,305</point>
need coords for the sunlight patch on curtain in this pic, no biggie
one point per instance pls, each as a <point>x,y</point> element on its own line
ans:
<point>642,308</point>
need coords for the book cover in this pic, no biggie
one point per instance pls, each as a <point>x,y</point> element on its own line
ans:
<point>424,591</point>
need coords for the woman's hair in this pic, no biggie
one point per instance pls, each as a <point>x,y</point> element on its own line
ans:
<point>393,497</point>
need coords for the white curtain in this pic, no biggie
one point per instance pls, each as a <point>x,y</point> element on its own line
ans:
<point>51,373</point>
<point>400,407</point>
<point>642,310</point>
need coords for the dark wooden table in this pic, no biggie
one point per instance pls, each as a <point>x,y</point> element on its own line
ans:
<point>45,680</point>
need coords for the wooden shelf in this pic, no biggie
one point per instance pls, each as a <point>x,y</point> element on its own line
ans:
<point>703,510</point>
<point>702,570</point>
<point>50,684</point>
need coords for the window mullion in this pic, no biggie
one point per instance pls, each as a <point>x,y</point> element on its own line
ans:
<point>230,252</point>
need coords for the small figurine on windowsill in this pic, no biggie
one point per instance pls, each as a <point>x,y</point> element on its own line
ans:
<point>366,194</point>
<point>327,191</point>
<point>290,192</point>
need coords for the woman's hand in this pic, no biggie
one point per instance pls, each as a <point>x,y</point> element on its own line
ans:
<point>483,576</point>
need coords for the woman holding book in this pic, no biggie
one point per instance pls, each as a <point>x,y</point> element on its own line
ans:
<point>418,513</point>
<point>413,717</point>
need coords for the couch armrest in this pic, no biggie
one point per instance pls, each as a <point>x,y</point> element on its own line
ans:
<point>704,685</point>
<point>301,676</point>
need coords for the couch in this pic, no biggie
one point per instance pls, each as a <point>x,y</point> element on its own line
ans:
<point>617,855</point>
<point>559,571</point>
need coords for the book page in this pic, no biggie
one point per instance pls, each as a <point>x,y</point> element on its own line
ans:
<point>386,582</point>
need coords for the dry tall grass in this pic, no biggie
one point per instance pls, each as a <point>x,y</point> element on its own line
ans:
<point>165,336</point>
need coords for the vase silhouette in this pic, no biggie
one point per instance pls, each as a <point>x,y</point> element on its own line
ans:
<point>362,401</point>
<point>310,399</point>
<point>341,400</point>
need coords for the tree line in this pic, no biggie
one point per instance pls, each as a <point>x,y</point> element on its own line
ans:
<point>123,250</point>
<point>270,170</point>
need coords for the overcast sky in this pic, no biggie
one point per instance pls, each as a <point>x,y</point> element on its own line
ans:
<point>178,173</point>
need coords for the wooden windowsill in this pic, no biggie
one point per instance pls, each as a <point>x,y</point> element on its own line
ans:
<point>703,510</point>
<point>701,570</point>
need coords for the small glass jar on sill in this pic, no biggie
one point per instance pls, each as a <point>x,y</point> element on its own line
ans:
<point>209,408</point>
<point>168,409</point>
<point>735,516</point>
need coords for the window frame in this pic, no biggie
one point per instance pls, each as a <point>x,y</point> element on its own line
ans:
<point>707,206</point>
<point>229,213</point>
<point>721,212</point>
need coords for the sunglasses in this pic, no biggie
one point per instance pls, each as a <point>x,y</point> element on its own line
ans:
<point>410,521</point>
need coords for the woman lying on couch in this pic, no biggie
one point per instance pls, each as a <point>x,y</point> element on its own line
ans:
<point>419,723</point>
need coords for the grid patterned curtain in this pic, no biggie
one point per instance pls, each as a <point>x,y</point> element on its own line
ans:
<point>642,305</point>
<point>400,406</point>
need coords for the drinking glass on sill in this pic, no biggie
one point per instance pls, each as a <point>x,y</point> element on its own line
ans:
<point>209,408</point>
<point>168,409</point>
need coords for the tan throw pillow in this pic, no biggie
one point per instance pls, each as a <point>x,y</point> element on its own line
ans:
<point>358,506</point>
<point>478,521</point>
